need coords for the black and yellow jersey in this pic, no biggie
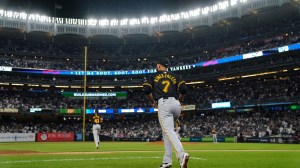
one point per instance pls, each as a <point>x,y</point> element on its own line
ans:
<point>164,84</point>
<point>97,119</point>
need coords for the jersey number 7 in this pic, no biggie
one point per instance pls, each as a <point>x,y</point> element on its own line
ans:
<point>167,85</point>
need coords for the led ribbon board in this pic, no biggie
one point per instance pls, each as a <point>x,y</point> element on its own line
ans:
<point>267,52</point>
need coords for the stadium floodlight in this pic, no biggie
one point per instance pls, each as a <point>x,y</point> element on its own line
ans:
<point>175,16</point>
<point>223,5</point>
<point>23,15</point>
<point>243,1</point>
<point>31,17</point>
<point>184,15</point>
<point>153,20</point>
<point>124,22</point>
<point>214,8</point>
<point>1,12</point>
<point>82,22</point>
<point>195,12</point>
<point>134,21</point>
<point>16,15</point>
<point>233,2</point>
<point>114,22</point>
<point>104,22</point>
<point>145,20</point>
<point>205,10</point>
<point>164,18</point>
<point>92,22</point>
<point>9,14</point>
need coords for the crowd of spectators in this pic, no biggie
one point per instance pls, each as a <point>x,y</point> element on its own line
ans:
<point>126,56</point>
<point>240,92</point>
<point>257,123</point>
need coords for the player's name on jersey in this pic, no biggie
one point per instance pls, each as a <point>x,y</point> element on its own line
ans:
<point>169,76</point>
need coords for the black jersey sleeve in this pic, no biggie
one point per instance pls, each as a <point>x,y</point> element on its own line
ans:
<point>148,85</point>
<point>181,87</point>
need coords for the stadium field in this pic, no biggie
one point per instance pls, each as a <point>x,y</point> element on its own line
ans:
<point>147,154</point>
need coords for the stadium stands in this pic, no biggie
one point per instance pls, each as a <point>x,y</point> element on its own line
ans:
<point>33,54</point>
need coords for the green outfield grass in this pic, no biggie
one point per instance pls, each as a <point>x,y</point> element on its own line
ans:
<point>146,155</point>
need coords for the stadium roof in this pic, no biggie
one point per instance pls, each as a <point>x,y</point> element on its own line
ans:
<point>103,8</point>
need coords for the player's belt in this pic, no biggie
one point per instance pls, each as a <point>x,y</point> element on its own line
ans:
<point>163,98</point>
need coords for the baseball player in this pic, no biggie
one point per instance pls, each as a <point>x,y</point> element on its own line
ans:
<point>214,135</point>
<point>97,120</point>
<point>165,90</point>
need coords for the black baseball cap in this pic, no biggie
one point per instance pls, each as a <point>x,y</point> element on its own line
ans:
<point>163,61</point>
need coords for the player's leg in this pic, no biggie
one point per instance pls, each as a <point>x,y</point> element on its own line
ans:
<point>183,157</point>
<point>99,129</point>
<point>166,120</point>
<point>167,160</point>
<point>96,136</point>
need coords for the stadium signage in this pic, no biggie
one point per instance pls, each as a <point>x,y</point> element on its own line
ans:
<point>17,137</point>
<point>100,111</point>
<point>181,68</point>
<point>9,110</point>
<point>70,111</point>
<point>55,137</point>
<point>221,105</point>
<point>133,110</point>
<point>245,56</point>
<point>33,110</point>
<point>3,68</point>
<point>113,94</point>
<point>95,94</point>
<point>252,55</point>
<point>188,107</point>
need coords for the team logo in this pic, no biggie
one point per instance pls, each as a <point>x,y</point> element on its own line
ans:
<point>44,137</point>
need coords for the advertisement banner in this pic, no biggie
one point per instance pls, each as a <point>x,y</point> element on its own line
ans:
<point>220,138</point>
<point>78,137</point>
<point>55,137</point>
<point>100,111</point>
<point>95,94</point>
<point>133,110</point>
<point>255,139</point>
<point>188,107</point>
<point>17,137</point>
<point>9,110</point>
<point>4,68</point>
<point>70,111</point>
<point>196,139</point>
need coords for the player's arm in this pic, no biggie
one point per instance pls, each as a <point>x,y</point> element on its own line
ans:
<point>181,89</point>
<point>147,88</point>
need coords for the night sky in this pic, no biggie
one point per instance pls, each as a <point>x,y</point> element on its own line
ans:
<point>103,8</point>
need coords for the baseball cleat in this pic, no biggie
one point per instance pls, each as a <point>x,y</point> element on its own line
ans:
<point>97,147</point>
<point>166,165</point>
<point>184,161</point>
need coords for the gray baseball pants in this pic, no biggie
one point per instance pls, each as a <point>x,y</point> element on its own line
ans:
<point>168,111</point>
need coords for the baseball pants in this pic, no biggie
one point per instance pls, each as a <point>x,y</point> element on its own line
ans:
<point>169,110</point>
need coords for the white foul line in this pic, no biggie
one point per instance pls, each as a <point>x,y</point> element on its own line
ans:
<point>196,158</point>
<point>88,159</point>
<point>78,159</point>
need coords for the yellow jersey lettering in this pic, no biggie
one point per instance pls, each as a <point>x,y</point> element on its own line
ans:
<point>165,76</point>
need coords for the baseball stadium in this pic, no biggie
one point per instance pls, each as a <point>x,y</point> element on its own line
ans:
<point>152,84</point>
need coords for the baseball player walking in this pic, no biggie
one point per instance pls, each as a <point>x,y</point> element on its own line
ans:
<point>166,90</point>
<point>96,128</point>
<point>214,135</point>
